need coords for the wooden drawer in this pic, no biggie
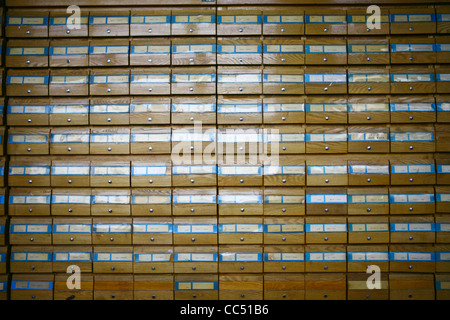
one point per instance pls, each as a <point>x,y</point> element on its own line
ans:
<point>194,176</point>
<point>112,140</point>
<point>28,141</point>
<point>155,173</point>
<point>236,110</point>
<point>442,199</point>
<point>113,287</point>
<point>193,109</point>
<point>411,286</point>
<point>85,291</point>
<point>240,230</point>
<point>110,202</point>
<point>242,51</point>
<point>31,259</point>
<point>322,230</point>
<point>192,80</point>
<point>284,51</point>
<point>325,286</point>
<point>194,22</point>
<point>368,80</point>
<point>194,202</point>
<point>358,289</point>
<point>283,22</point>
<point>3,255</point>
<point>153,287</point>
<point>69,112</point>
<point>150,23</point>
<point>152,230</point>
<point>281,201</point>
<point>284,230</point>
<point>150,110</point>
<point>442,282</point>
<point>364,201</point>
<point>324,80</point>
<point>240,201</point>
<point>409,139</point>
<point>110,174</point>
<point>368,230</point>
<point>412,21</point>
<point>412,258</point>
<point>284,287</point>
<point>412,172</point>
<point>194,259</point>
<point>69,52</point>
<point>368,139</point>
<point>288,140</point>
<point>326,201</point>
<point>285,259</point>
<point>412,50</point>
<point>32,287</point>
<point>325,258</point>
<point>442,78</point>
<point>325,51</point>
<point>196,51</point>
<point>329,139</point>
<point>71,202</point>
<point>70,257</point>
<point>111,231</point>
<point>290,171</point>
<point>29,202</point>
<point>111,53</point>
<point>361,257</point>
<point>67,27</point>
<point>154,259</point>
<point>26,53</point>
<point>249,79</point>
<point>151,202</point>
<point>333,174</point>
<point>26,24</point>
<point>283,80</point>
<point>150,52</point>
<point>320,110</point>
<point>368,51</point>
<point>150,81</point>
<point>109,82</point>
<point>241,287</point>
<point>325,22</point>
<point>191,141</point>
<point>29,174</point>
<point>23,112</point>
<point>196,287</point>
<point>414,109</point>
<point>70,141</point>
<point>368,110</point>
<point>442,262</point>
<point>109,24</point>
<point>411,200</point>
<point>240,259</point>
<point>359,22</point>
<point>76,231</point>
<point>195,230</point>
<point>239,22</point>
<point>22,82</point>
<point>113,259</point>
<point>412,229</point>
<point>442,135</point>
<point>412,80</point>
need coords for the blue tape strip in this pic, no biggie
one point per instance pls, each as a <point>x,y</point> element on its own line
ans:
<point>8,20</point>
<point>45,80</point>
<point>258,48</point>
<point>176,170</point>
<point>138,259</point>
<point>397,169</point>
<point>133,199</point>
<point>431,16</point>
<point>439,197</point>
<point>159,51</point>
<point>176,200</point>
<point>308,18</point>
<point>308,256</point>
<point>192,285</point>
<point>392,256</point>
<point>393,196</point>
<point>258,230</point>
<point>89,259</point>
<point>267,258</point>
<point>351,226</point>
<point>440,256</point>
<point>28,199</point>
<point>112,260</point>
<point>55,228</point>
<point>47,254</point>
<point>308,227</point>
<point>212,18</point>
<point>350,198</point>
<point>14,285</point>
<point>71,199</point>
<point>258,20</point>
<point>259,257</point>
<point>48,228</point>
<point>178,227</point>
<point>393,226</point>
<point>192,258</point>
<point>400,47</point>
<point>266,228</point>
<point>150,22</point>
<point>52,51</point>
<point>8,51</point>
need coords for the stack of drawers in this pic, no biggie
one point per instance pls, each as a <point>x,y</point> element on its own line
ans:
<point>223,152</point>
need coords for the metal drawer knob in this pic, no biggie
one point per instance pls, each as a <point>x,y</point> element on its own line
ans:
<point>411,147</point>
<point>242,239</point>
<point>410,238</point>
<point>150,89</point>
<point>108,90</point>
<point>410,88</point>
<point>194,296</point>
<point>283,89</point>
<point>327,180</point>
<point>110,210</point>
<point>411,179</point>
<point>241,181</point>
<point>368,118</point>
<point>326,209</point>
<point>28,61</point>
<point>30,181</point>
<point>326,89</point>
<point>411,58</point>
<point>108,31</point>
<point>192,181</point>
<point>70,210</point>
<point>327,118</point>
<point>369,147</point>
<point>191,60</point>
<point>369,238</point>
<point>411,29</point>
<point>241,30</point>
<point>111,239</point>
<point>150,148</point>
<point>151,181</point>
<point>149,119</point>
<point>191,30</point>
<point>153,297</point>
<point>149,30</point>
<point>283,29</point>
<point>284,209</point>
<point>284,239</point>
<point>369,89</point>
<point>283,60</point>
<point>242,209</point>
<point>242,267</point>
<point>68,61</point>
<point>368,209</point>
<point>191,118</point>
<point>193,268</point>
<point>153,268</point>
<point>108,60</point>
<point>28,91</point>
<point>109,181</point>
<point>29,120</point>
<point>241,89</point>
<point>69,120</point>
<point>30,210</point>
<point>326,267</point>
<point>149,60</point>
<point>191,89</point>
<point>71,239</point>
<point>241,60</point>
<point>368,59</point>
<point>192,148</point>
<point>410,267</point>
<point>327,148</point>
<point>113,268</point>
<point>325,30</point>
<point>70,181</point>
<point>242,295</point>
<point>410,209</point>
<point>241,119</point>
<point>283,118</point>
<point>28,149</point>
<point>368,29</point>
<point>326,239</point>
<point>151,210</point>
<point>28,32</point>
<point>325,59</point>
<point>284,148</point>
<point>283,267</point>
<point>152,239</point>
<point>109,149</point>
<point>31,239</point>
<point>33,297</point>
<point>193,239</point>
<point>192,210</point>
<point>411,117</point>
<point>284,180</point>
